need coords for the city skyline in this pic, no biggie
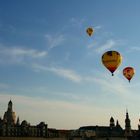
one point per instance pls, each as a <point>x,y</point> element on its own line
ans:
<point>52,70</point>
<point>11,118</point>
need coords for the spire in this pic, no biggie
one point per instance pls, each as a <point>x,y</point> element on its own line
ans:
<point>18,121</point>
<point>10,104</point>
<point>126,110</point>
<point>117,123</point>
<point>127,125</point>
<point>112,122</point>
<point>127,115</point>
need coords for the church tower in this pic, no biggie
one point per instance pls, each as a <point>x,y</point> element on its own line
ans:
<point>10,106</point>
<point>127,125</point>
<point>9,115</point>
<point>18,122</point>
<point>112,124</point>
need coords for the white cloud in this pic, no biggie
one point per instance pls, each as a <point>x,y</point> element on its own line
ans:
<point>110,84</point>
<point>4,86</point>
<point>117,87</point>
<point>77,22</point>
<point>92,45</point>
<point>108,45</point>
<point>22,52</point>
<point>97,27</point>
<point>69,74</point>
<point>135,48</point>
<point>66,73</point>
<point>55,40</point>
<point>18,54</point>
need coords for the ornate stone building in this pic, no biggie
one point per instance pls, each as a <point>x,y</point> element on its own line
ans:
<point>9,126</point>
<point>9,115</point>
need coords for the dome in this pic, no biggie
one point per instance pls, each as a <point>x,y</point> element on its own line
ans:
<point>41,124</point>
<point>24,123</point>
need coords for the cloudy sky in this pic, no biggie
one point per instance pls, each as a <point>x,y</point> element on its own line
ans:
<point>52,70</point>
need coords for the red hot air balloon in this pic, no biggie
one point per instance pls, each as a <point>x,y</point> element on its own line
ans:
<point>128,72</point>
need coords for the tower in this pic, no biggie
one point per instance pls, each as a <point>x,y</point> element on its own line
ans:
<point>9,115</point>
<point>117,124</point>
<point>127,125</point>
<point>112,124</point>
<point>18,122</point>
<point>10,106</point>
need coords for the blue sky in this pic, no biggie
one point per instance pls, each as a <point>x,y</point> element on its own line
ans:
<point>52,70</point>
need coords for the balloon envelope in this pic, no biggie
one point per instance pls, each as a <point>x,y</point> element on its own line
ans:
<point>111,60</point>
<point>128,72</point>
<point>89,31</point>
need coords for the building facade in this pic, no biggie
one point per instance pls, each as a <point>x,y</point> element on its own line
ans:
<point>11,127</point>
<point>111,132</point>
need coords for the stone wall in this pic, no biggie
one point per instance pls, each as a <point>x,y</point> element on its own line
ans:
<point>36,138</point>
<point>29,138</point>
<point>111,138</point>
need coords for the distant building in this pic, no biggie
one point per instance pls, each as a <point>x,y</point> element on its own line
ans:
<point>127,125</point>
<point>9,115</point>
<point>9,126</point>
<point>111,132</point>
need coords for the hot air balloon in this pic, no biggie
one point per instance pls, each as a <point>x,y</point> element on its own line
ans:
<point>128,72</point>
<point>111,60</point>
<point>89,31</point>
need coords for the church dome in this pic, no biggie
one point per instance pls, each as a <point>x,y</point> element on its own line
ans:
<point>24,123</point>
<point>41,124</point>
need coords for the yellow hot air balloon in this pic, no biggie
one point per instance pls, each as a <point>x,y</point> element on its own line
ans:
<point>128,72</point>
<point>111,60</point>
<point>89,31</point>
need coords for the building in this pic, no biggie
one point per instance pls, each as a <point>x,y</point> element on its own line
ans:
<point>111,132</point>
<point>11,127</point>
<point>127,125</point>
<point>9,115</point>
